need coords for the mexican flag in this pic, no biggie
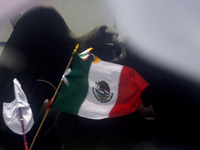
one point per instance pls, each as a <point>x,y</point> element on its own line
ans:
<point>97,89</point>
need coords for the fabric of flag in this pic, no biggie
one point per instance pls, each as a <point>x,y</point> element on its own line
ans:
<point>98,89</point>
<point>11,111</point>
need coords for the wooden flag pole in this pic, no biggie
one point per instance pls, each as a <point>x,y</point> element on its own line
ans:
<point>56,92</point>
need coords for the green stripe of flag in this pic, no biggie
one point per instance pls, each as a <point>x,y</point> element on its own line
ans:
<point>71,97</point>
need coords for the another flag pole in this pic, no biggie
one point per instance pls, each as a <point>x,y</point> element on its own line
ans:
<point>23,131</point>
<point>75,50</point>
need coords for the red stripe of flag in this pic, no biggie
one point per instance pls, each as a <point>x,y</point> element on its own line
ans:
<point>131,85</point>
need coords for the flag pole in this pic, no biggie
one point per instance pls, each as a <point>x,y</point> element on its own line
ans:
<point>56,92</point>
<point>23,131</point>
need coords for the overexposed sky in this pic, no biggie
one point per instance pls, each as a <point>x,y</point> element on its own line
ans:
<point>166,32</point>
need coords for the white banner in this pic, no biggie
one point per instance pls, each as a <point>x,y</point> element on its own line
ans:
<point>11,111</point>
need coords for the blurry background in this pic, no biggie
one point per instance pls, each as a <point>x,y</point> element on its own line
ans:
<point>166,33</point>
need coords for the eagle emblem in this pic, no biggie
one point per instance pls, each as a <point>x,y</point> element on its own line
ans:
<point>101,91</point>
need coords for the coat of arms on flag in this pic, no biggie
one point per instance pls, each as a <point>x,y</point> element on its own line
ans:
<point>101,90</point>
